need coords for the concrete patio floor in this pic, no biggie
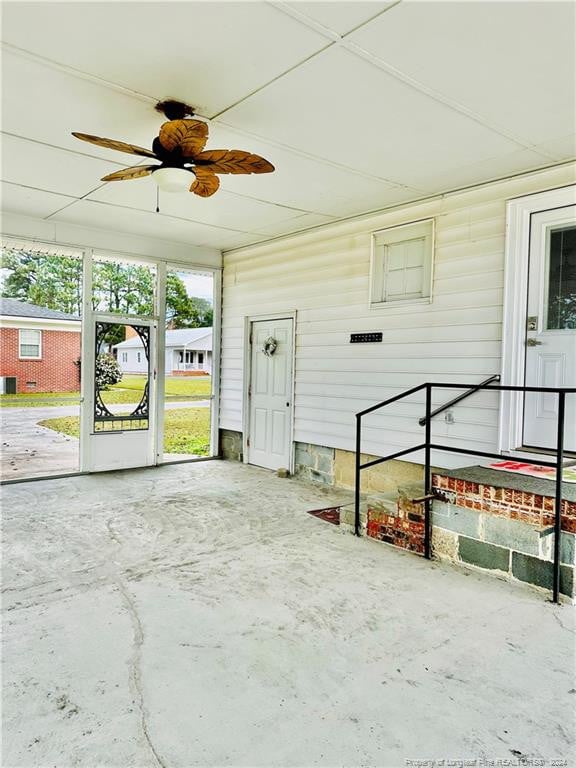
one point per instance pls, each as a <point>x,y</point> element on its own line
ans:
<point>29,450</point>
<point>195,615</point>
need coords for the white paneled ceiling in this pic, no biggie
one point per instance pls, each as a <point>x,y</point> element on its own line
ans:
<point>359,105</point>
<point>338,17</point>
<point>508,62</point>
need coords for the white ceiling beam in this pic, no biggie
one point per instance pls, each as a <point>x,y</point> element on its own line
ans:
<point>78,236</point>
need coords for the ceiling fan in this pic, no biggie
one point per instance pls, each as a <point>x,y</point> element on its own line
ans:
<point>179,147</point>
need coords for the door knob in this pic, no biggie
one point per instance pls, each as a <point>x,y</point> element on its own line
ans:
<point>533,343</point>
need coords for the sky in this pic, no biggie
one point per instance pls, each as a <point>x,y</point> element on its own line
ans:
<point>198,284</point>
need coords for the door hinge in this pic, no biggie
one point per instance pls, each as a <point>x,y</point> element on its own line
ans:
<point>248,442</point>
<point>249,390</point>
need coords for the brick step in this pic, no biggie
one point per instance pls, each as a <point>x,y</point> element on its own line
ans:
<point>502,522</point>
<point>394,518</point>
<point>527,500</point>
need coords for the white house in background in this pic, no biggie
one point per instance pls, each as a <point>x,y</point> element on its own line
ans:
<point>188,353</point>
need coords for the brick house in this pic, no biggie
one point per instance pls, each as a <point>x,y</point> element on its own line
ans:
<point>39,348</point>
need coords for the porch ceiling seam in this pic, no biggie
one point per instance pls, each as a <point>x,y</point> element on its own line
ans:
<point>84,198</point>
<point>66,149</point>
<point>334,39</point>
<point>342,42</point>
<point>164,215</point>
<point>318,158</point>
<point>425,198</point>
<point>152,100</point>
<point>70,70</point>
<point>376,61</point>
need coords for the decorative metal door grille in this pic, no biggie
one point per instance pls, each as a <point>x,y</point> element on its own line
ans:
<point>106,420</point>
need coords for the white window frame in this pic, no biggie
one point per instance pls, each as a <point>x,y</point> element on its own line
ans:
<point>29,357</point>
<point>397,234</point>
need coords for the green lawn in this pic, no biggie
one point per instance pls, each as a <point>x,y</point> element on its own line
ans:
<point>185,386</point>
<point>39,399</point>
<point>129,390</point>
<point>186,430</point>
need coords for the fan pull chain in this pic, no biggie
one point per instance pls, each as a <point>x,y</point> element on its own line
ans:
<point>157,199</point>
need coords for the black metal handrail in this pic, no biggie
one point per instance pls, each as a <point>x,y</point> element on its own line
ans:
<point>428,446</point>
<point>459,398</point>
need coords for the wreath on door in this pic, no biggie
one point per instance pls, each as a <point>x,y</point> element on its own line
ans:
<point>270,346</point>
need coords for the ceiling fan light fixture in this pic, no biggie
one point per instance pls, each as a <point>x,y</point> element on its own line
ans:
<point>173,179</point>
<point>185,166</point>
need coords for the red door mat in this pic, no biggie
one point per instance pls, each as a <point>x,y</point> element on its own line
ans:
<point>533,470</point>
<point>330,514</point>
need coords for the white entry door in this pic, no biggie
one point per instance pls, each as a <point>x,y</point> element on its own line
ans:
<point>551,326</point>
<point>118,423</point>
<point>269,441</point>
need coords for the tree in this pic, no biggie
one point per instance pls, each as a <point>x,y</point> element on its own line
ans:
<point>50,281</point>
<point>55,282</point>
<point>122,288</point>
<point>204,312</point>
<point>183,311</point>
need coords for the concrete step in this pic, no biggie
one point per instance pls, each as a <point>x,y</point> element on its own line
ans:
<point>411,491</point>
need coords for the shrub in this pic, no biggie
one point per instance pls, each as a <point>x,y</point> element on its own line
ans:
<point>107,371</point>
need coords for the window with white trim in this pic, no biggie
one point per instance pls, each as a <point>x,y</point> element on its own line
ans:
<point>124,357</point>
<point>30,344</point>
<point>402,264</point>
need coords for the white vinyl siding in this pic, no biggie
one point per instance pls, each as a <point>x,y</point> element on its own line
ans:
<point>324,275</point>
<point>402,263</point>
<point>30,344</point>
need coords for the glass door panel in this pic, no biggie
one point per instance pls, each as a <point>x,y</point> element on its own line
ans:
<point>41,309</point>
<point>561,280</point>
<point>119,404</point>
<point>187,408</point>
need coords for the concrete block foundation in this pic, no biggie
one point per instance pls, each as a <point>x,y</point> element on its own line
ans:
<point>501,530</point>
<point>314,463</point>
<point>231,445</point>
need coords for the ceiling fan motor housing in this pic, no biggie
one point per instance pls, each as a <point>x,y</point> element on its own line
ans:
<point>170,158</point>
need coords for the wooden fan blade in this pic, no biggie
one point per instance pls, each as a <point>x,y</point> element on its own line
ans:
<point>136,172</point>
<point>113,144</point>
<point>190,135</point>
<point>234,161</point>
<point>206,182</point>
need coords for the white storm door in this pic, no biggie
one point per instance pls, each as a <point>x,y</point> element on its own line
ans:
<point>551,326</point>
<point>120,423</point>
<point>269,441</point>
